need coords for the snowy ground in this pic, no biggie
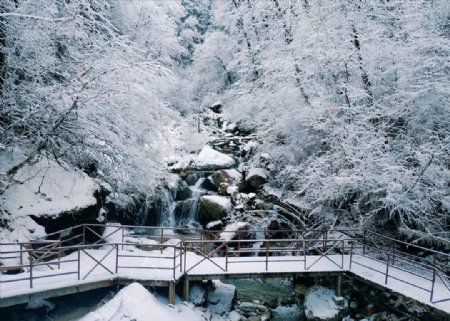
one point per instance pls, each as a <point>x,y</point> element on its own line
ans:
<point>134,302</point>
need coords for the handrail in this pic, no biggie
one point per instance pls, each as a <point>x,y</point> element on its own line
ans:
<point>320,243</point>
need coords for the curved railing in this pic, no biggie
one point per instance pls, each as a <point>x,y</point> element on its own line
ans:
<point>88,250</point>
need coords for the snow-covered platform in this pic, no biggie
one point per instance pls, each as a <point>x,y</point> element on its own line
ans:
<point>52,269</point>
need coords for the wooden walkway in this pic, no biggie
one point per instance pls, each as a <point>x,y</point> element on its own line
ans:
<point>86,257</point>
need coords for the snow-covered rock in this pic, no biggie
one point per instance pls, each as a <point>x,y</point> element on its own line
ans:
<point>229,176</point>
<point>48,193</point>
<point>320,305</point>
<point>49,188</point>
<point>213,208</point>
<point>230,231</point>
<point>135,303</point>
<point>209,158</point>
<point>256,177</point>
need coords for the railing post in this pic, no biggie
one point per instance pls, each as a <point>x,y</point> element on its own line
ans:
<point>161,239</point>
<point>59,254</point>
<point>117,258</point>
<point>185,255</point>
<point>226,257</point>
<point>79,265</point>
<point>21,254</point>
<point>267,254</point>
<point>387,269</point>
<point>432,285</point>
<point>342,255</point>
<point>181,257</point>
<point>123,236</point>
<point>84,234</point>
<point>31,271</point>
<point>393,252</point>
<point>351,255</point>
<point>174,261</point>
<point>364,242</point>
<point>304,254</point>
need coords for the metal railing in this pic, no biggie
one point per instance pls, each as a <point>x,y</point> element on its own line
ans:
<point>63,253</point>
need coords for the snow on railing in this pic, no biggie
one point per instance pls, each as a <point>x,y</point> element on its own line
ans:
<point>90,250</point>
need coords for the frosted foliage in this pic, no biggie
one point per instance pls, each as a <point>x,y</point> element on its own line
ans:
<point>83,81</point>
<point>352,102</point>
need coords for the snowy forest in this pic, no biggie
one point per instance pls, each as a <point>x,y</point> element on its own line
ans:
<point>348,99</point>
<point>222,115</point>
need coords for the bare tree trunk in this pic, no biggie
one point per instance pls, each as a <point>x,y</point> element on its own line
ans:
<point>288,38</point>
<point>247,41</point>
<point>365,78</point>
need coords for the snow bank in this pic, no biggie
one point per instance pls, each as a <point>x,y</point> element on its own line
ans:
<point>134,302</point>
<point>48,188</point>
<point>210,158</point>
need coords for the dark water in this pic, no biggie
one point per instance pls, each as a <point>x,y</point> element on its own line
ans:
<point>67,308</point>
<point>277,294</point>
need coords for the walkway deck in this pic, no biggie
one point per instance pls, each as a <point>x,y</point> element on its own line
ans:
<point>63,266</point>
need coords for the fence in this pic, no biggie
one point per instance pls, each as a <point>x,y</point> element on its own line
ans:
<point>75,252</point>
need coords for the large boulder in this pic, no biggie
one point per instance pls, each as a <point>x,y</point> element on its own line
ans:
<point>209,158</point>
<point>225,178</point>
<point>213,208</point>
<point>228,176</point>
<point>53,193</point>
<point>256,177</point>
<point>183,191</point>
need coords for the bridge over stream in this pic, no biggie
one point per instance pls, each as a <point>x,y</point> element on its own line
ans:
<point>91,256</point>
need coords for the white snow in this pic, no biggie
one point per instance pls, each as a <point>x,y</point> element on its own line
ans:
<point>209,157</point>
<point>251,145</point>
<point>48,188</point>
<point>229,232</point>
<point>134,302</point>
<point>223,201</point>
<point>233,174</point>
<point>319,303</point>
<point>213,224</point>
<point>256,171</point>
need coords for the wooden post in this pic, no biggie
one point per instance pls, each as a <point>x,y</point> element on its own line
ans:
<point>387,269</point>
<point>364,242</point>
<point>171,292</point>
<point>393,252</point>
<point>432,285</point>
<point>226,257</point>
<point>21,256</point>
<point>339,285</point>
<point>351,255</point>
<point>186,289</point>
<point>59,254</point>
<point>31,271</point>
<point>79,265</point>
<point>117,258</point>
<point>304,254</point>
<point>123,236</point>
